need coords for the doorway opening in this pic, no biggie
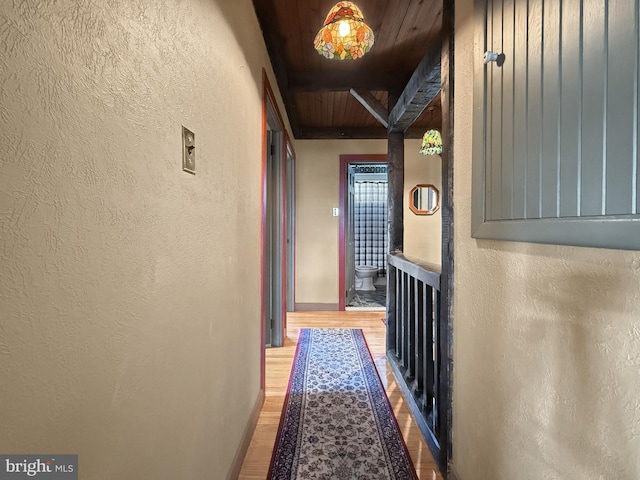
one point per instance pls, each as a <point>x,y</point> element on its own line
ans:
<point>363,241</point>
<point>370,236</point>
<point>278,228</point>
<point>273,237</point>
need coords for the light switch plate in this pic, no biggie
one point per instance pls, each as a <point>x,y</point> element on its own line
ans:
<point>188,150</point>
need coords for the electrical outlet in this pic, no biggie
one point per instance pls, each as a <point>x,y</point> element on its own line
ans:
<point>188,150</point>
<point>336,212</point>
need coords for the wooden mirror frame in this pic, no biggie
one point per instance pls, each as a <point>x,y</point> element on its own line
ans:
<point>414,207</point>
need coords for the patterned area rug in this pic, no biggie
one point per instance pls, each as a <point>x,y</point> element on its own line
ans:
<point>336,421</point>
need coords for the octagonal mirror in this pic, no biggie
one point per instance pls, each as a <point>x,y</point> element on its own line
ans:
<point>424,199</point>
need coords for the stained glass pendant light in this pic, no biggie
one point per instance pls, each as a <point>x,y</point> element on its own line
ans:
<point>344,35</point>
<point>431,143</point>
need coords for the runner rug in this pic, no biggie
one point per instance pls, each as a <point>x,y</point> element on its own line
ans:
<point>337,422</point>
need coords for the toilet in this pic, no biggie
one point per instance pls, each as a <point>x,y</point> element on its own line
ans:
<point>364,277</point>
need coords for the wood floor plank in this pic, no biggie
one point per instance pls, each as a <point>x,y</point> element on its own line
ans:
<point>278,369</point>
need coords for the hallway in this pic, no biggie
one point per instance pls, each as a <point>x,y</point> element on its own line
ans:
<point>278,367</point>
<point>132,299</point>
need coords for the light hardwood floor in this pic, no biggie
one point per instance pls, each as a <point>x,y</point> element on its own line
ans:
<point>278,368</point>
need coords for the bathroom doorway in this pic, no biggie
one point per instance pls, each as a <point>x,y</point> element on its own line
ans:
<point>363,232</point>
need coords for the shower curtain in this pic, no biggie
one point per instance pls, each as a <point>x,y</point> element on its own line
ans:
<point>370,220</point>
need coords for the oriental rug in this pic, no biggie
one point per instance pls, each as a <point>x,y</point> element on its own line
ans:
<point>336,421</point>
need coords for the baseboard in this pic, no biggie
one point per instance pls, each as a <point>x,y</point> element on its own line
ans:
<point>452,475</point>
<point>236,466</point>
<point>316,307</point>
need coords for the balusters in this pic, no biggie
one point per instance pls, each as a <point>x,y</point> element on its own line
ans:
<point>399,310</point>
<point>436,358</point>
<point>403,320</point>
<point>412,333</point>
<point>411,328</point>
<point>419,319</point>
<point>428,348</point>
<point>392,313</point>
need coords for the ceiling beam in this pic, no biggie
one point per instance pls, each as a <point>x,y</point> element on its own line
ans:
<point>337,80</point>
<point>418,132</point>
<point>346,133</point>
<point>421,89</point>
<point>373,106</point>
<point>267,18</point>
<point>356,133</point>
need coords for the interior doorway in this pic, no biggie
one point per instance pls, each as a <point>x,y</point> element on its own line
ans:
<point>274,235</point>
<point>277,271</point>
<point>358,243</point>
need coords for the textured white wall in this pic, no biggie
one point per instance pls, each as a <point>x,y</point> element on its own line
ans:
<point>546,341</point>
<point>129,290</point>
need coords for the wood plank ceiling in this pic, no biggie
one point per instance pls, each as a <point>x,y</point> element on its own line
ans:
<point>317,91</point>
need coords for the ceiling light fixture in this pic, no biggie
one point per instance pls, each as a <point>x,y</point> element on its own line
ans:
<point>344,35</point>
<point>431,143</point>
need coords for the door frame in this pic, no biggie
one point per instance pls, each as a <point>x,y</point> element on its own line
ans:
<point>274,236</point>
<point>271,111</point>
<point>345,160</point>
<point>290,233</point>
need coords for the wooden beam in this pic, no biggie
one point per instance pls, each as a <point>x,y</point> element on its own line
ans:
<point>373,106</point>
<point>332,133</point>
<point>418,132</point>
<point>445,387</point>
<point>267,17</point>
<point>340,80</point>
<point>395,192</point>
<point>421,89</point>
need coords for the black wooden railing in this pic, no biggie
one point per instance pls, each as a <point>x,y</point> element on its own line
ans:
<point>413,339</point>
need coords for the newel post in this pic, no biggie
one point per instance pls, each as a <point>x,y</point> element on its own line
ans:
<point>395,222</point>
<point>395,174</point>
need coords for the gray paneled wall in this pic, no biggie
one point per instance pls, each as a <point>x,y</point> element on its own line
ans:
<point>556,125</point>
